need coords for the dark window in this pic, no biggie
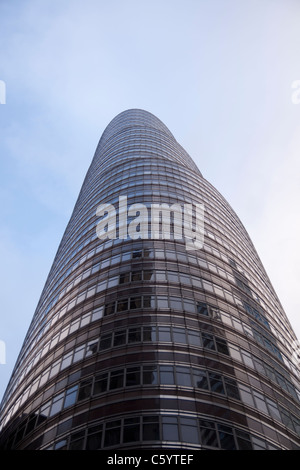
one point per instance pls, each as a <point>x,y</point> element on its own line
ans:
<point>131,432</point>
<point>208,434</point>
<point>119,337</point>
<point>124,277</point>
<point>135,302</point>
<point>85,389</point>
<point>149,333</point>
<point>150,375</point>
<point>243,440</point>
<point>200,379</point>
<point>208,341</point>
<point>112,433</point>
<point>122,305</point>
<point>94,438</point>
<point>134,335</point>
<point>232,389</point>
<point>226,438</point>
<point>150,428</point>
<point>116,379</point>
<point>222,346</point>
<point>179,335</point>
<point>77,441</point>
<point>216,383</point>
<point>133,376</point>
<point>202,308</point>
<point>109,308</point>
<point>136,276</point>
<point>100,385</point>
<point>105,341</point>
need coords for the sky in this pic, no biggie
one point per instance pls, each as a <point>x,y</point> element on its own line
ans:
<point>223,76</point>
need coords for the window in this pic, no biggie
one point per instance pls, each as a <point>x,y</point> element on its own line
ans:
<point>100,385</point>
<point>208,434</point>
<point>189,430</point>
<point>150,428</point>
<point>116,379</point>
<point>133,376</point>
<point>112,433</point>
<point>94,438</point>
<point>170,428</point>
<point>131,430</point>
<point>202,308</point>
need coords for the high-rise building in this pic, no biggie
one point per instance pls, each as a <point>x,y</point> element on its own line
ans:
<point>158,326</point>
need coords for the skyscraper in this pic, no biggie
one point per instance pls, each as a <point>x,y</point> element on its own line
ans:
<point>158,326</point>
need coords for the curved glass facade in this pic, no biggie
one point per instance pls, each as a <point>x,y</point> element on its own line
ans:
<point>147,341</point>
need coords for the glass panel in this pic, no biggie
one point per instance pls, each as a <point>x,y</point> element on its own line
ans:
<point>133,376</point>
<point>189,430</point>
<point>134,335</point>
<point>150,376</point>
<point>200,379</point>
<point>150,428</point>
<point>116,379</point>
<point>131,432</point>
<point>179,335</point>
<point>100,385</point>
<point>167,375</point>
<point>112,433</point>
<point>183,376</point>
<point>170,428</point>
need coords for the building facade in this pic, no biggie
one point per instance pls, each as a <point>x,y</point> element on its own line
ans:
<point>158,326</point>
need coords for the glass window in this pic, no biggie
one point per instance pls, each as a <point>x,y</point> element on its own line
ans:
<point>136,276</point>
<point>57,404</point>
<point>119,337</point>
<point>164,333</point>
<point>170,428</point>
<point>85,389</point>
<point>226,437</point>
<point>194,338</point>
<point>200,379</point>
<point>243,440</point>
<point>167,375</point>
<point>131,431</point>
<point>77,441</point>
<point>150,376</point>
<point>150,428</point>
<point>208,434</point>
<point>149,333</point>
<point>105,341</point>
<point>122,305</point>
<point>183,376</point>
<point>216,383</point>
<point>116,379</point>
<point>124,278</point>
<point>232,389</point>
<point>71,395</point>
<point>208,341</point>
<point>94,438</point>
<point>109,308</point>
<point>162,302</point>
<point>135,302</point>
<point>189,430</point>
<point>133,376</point>
<point>100,385</point>
<point>112,433</point>
<point>148,276</point>
<point>202,308</point>
<point>179,335</point>
<point>134,335</point>
<point>222,346</point>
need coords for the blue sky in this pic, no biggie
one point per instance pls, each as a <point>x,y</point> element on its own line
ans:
<point>218,73</point>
